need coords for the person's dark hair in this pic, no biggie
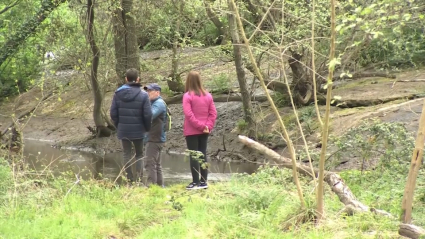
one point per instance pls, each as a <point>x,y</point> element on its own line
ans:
<point>194,84</point>
<point>132,75</point>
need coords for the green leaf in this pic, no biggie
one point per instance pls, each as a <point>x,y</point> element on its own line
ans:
<point>333,63</point>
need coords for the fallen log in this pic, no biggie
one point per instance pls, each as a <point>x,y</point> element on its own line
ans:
<point>412,80</point>
<point>411,231</point>
<point>363,75</point>
<point>217,98</point>
<point>353,103</point>
<point>332,179</point>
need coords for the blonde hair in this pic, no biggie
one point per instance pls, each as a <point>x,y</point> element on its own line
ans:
<point>194,84</point>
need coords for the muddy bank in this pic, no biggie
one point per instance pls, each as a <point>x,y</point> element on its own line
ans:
<point>63,118</point>
<point>72,133</point>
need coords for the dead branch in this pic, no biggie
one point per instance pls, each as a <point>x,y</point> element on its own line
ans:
<point>332,179</point>
<point>415,165</point>
<point>5,9</point>
<point>24,114</point>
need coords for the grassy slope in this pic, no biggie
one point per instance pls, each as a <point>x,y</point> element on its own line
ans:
<point>263,205</point>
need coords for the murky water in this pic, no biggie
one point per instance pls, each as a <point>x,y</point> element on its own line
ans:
<point>47,160</point>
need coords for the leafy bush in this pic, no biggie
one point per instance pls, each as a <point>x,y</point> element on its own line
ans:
<point>221,82</point>
<point>373,139</point>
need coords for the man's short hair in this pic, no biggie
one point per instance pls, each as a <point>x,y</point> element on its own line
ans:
<point>132,75</point>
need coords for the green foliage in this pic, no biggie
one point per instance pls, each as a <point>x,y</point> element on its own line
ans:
<point>389,143</point>
<point>280,100</point>
<point>158,26</point>
<point>198,156</point>
<point>6,180</point>
<point>166,91</point>
<point>241,125</point>
<point>387,32</point>
<point>308,119</point>
<point>60,33</point>
<point>19,73</point>
<point>261,205</point>
<point>221,82</point>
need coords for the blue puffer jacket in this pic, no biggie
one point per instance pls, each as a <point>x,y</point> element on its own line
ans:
<point>159,115</point>
<point>131,112</point>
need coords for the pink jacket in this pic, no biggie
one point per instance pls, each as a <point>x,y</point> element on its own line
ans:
<point>199,111</point>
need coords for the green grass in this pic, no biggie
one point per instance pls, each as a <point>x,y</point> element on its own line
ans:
<point>262,205</point>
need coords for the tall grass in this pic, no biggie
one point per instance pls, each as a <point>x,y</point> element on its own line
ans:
<point>262,205</point>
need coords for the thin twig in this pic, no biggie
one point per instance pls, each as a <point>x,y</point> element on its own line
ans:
<point>75,183</point>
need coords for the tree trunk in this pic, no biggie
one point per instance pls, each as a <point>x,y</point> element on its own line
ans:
<point>240,71</point>
<point>273,106</point>
<point>125,39</point>
<point>301,86</point>
<point>176,83</point>
<point>416,162</point>
<point>325,129</point>
<point>254,12</point>
<point>218,24</point>
<point>102,130</point>
<point>258,12</point>
<point>27,29</point>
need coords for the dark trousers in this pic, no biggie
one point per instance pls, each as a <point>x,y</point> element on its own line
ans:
<point>153,163</point>
<point>128,158</point>
<point>198,162</point>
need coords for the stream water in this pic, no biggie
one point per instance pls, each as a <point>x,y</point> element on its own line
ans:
<point>47,160</point>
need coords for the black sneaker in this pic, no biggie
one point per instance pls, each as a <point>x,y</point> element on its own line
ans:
<point>192,186</point>
<point>203,185</point>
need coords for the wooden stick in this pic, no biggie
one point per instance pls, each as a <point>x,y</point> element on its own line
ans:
<point>416,162</point>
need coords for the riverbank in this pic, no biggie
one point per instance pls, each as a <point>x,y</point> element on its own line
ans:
<point>263,205</point>
<point>63,119</point>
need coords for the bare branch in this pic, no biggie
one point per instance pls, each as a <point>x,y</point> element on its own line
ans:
<point>5,9</point>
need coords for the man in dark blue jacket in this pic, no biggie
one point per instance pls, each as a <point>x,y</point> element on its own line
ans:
<point>132,115</point>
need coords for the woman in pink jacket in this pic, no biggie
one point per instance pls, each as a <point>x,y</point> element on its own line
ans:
<point>199,119</point>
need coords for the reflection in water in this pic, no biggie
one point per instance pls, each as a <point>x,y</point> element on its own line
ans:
<point>45,159</point>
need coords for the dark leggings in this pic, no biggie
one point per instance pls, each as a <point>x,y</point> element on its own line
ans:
<point>198,143</point>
